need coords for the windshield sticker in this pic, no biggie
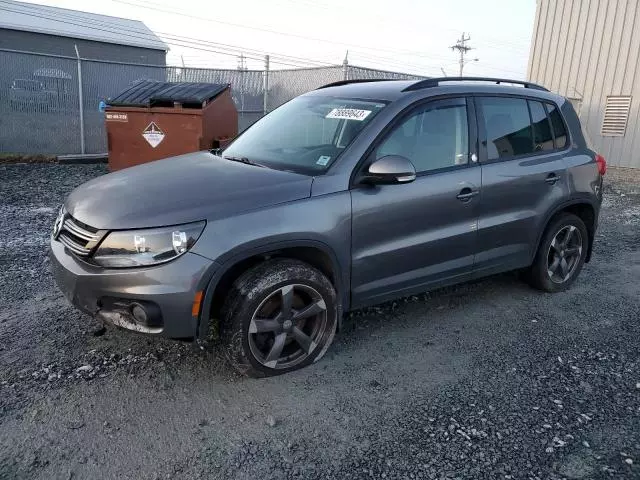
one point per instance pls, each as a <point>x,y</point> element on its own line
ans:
<point>349,114</point>
<point>323,160</point>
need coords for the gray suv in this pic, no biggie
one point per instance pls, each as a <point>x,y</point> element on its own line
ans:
<point>351,195</point>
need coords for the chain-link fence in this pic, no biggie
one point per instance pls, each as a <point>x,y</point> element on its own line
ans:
<point>45,109</point>
<point>39,110</point>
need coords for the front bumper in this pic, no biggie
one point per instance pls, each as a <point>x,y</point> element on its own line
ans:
<point>171,287</point>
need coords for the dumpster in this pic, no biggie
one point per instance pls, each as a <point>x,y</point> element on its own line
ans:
<point>151,120</point>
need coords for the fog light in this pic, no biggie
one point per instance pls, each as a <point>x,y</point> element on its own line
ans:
<point>139,314</point>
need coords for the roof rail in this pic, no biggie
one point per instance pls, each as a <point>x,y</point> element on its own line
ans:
<point>347,82</point>
<point>434,82</point>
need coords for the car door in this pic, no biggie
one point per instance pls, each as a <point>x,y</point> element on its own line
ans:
<point>523,177</point>
<point>409,237</point>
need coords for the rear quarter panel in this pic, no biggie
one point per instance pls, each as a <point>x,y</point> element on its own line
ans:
<point>583,178</point>
<point>584,181</point>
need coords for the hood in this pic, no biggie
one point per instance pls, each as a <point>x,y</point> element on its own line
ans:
<point>188,188</point>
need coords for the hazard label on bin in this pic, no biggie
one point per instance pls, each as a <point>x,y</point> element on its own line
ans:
<point>153,134</point>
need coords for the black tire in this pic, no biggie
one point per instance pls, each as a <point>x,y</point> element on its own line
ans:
<point>539,275</point>
<point>262,289</point>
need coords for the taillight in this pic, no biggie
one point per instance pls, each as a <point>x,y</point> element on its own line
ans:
<point>602,164</point>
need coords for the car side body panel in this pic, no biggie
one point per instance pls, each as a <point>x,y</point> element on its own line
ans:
<point>514,199</point>
<point>510,213</point>
<point>412,237</point>
<point>383,242</point>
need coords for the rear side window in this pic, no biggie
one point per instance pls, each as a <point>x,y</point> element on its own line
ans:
<point>559,130</point>
<point>542,137</point>
<point>508,127</point>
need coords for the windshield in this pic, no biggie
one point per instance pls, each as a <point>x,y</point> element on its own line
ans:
<point>305,135</point>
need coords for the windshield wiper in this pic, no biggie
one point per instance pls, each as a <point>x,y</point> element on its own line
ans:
<point>244,160</point>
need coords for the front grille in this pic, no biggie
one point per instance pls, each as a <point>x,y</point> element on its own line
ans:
<point>78,237</point>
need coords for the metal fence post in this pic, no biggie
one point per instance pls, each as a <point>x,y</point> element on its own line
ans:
<point>345,67</point>
<point>80,100</point>
<point>265,86</point>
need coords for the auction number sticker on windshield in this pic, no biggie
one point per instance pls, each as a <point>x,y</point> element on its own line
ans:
<point>349,114</point>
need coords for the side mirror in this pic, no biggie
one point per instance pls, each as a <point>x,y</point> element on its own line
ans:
<point>390,170</point>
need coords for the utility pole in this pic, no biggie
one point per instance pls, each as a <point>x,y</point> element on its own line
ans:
<point>242,64</point>
<point>462,48</point>
<point>265,86</point>
<point>242,67</point>
<point>80,100</point>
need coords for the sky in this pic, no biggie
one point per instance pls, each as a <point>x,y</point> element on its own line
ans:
<point>410,36</point>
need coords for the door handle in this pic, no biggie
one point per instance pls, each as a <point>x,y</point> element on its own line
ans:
<point>466,194</point>
<point>551,179</point>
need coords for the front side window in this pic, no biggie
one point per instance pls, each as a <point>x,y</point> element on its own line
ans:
<point>433,137</point>
<point>508,127</point>
<point>305,135</point>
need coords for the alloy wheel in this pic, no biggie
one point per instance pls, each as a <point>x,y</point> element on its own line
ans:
<point>564,254</point>
<point>288,326</point>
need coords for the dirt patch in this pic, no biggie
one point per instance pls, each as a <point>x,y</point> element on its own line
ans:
<point>6,158</point>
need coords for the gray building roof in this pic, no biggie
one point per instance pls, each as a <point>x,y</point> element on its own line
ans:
<point>31,17</point>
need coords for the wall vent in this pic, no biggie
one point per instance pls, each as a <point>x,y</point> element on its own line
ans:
<point>616,116</point>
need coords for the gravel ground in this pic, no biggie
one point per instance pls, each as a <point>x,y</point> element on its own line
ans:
<point>485,380</point>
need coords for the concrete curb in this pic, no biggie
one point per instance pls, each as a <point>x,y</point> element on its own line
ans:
<point>82,159</point>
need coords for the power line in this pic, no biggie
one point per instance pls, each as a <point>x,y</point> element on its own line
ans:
<point>374,60</point>
<point>498,42</point>
<point>414,62</point>
<point>159,8</point>
<point>139,36</point>
<point>189,42</point>
<point>214,47</point>
<point>156,8</point>
<point>185,42</point>
<point>431,66</point>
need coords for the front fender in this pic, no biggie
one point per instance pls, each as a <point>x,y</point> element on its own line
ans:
<point>341,277</point>
<point>322,222</point>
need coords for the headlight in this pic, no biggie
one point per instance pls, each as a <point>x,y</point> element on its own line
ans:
<point>137,248</point>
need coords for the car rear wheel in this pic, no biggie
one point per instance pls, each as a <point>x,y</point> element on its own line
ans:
<point>279,316</point>
<point>561,254</point>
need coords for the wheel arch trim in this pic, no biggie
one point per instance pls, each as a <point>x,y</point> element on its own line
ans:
<point>563,206</point>
<point>340,283</point>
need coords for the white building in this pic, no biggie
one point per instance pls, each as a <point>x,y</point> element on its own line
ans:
<point>589,51</point>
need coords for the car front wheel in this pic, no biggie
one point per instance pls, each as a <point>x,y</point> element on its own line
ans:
<point>280,316</point>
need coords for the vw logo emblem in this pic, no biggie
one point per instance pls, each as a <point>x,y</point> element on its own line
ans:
<point>57,226</point>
